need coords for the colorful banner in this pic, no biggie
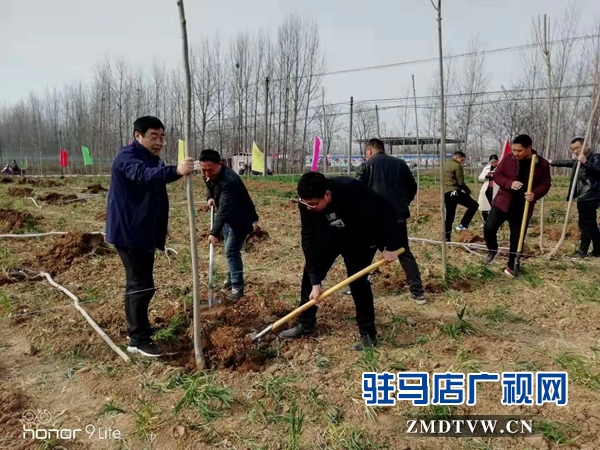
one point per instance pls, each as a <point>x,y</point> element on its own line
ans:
<point>258,159</point>
<point>181,154</point>
<point>64,158</point>
<point>315,160</point>
<point>507,149</point>
<point>87,159</point>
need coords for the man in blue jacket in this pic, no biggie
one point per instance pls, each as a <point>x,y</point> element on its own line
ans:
<point>235,216</point>
<point>137,216</point>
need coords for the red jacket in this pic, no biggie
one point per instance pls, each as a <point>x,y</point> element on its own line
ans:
<point>508,171</point>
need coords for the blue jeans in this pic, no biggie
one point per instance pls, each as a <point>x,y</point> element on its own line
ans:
<point>233,248</point>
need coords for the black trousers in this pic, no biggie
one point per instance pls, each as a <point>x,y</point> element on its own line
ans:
<point>489,194</point>
<point>407,261</point>
<point>588,226</point>
<point>356,257</point>
<point>139,290</point>
<point>451,202</point>
<point>493,223</point>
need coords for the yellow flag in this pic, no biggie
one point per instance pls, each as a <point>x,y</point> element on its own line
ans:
<point>258,159</point>
<point>181,151</point>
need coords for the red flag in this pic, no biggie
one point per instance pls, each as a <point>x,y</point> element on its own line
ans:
<point>506,150</point>
<point>64,158</point>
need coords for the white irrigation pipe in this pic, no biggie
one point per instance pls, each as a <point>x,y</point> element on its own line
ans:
<point>34,202</point>
<point>95,326</point>
<point>49,233</point>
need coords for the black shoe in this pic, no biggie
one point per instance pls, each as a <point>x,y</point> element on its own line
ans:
<point>578,255</point>
<point>149,349</point>
<point>490,257</point>
<point>418,298</point>
<point>235,294</point>
<point>297,332</point>
<point>366,341</point>
<point>226,285</point>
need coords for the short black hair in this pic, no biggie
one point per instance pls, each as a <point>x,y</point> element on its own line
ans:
<point>376,143</point>
<point>524,140</point>
<point>579,139</point>
<point>210,155</point>
<point>459,153</point>
<point>312,185</point>
<point>143,124</point>
<point>493,158</point>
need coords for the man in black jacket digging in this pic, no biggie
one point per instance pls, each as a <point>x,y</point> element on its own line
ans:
<point>342,216</point>
<point>587,193</point>
<point>391,178</point>
<point>235,216</point>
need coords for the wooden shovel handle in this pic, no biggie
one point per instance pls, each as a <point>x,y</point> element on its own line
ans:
<point>331,290</point>
<point>525,213</point>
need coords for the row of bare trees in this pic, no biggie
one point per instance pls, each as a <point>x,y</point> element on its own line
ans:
<point>228,87</point>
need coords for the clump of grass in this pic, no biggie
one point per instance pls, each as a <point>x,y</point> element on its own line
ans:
<point>295,419</point>
<point>347,437</point>
<point>173,330</point>
<point>460,326</point>
<point>464,362</point>
<point>585,292</point>
<point>559,433</point>
<point>369,359</point>
<point>579,371</point>
<point>278,388</point>
<point>474,273</point>
<point>201,394</point>
<point>500,314</point>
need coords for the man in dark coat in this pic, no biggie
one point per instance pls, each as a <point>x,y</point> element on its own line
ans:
<point>587,193</point>
<point>391,178</point>
<point>342,216</point>
<point>235,216</point>
<point>512,176</point>
<point>137,216</point>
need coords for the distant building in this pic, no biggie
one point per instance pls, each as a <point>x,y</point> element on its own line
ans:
<point>241,161</point>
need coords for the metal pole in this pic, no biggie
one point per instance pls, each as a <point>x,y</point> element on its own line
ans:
<point>266,149</point>
<point>350,137</point>
<point>377,114</point>
<point>418,148</point>
<point>443,143</point>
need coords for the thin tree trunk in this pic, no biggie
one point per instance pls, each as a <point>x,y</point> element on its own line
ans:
<point>200,363</point>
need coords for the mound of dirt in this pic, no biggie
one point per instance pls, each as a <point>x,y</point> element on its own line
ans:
<point>95,189</point>
<point>55,198</point>
<point>38,182</point>
<point>68,248</point>
<point>6,180</point>
<point>256,237</point>
<point>203,209</point>
<point>224,332</point>
<point>12,407</point>
<point>20,192</point>
<point>11,220</point>
<point>468,237</point>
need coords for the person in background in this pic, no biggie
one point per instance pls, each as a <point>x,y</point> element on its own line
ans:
<point>342,216</point>
<point>137,217</point>
<point>512,176</point>
<point>393,180</point>
<point>489,189</point>
<point>234,219</point>
<point>587,193</point>
<point>457,193</point>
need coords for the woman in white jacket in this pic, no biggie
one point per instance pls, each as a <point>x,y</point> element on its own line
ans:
<point>489,189</point>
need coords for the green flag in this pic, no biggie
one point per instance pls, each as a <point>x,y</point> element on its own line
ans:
<point>87,159</point>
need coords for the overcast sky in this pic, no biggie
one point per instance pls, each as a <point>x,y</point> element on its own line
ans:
<point>49,43</point>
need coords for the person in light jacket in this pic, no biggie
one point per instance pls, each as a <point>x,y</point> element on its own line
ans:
<point>489,189</point>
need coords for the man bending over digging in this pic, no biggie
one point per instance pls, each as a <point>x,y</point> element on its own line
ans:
<point>342,216</point>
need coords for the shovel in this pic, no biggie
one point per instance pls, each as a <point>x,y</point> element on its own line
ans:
<point>327,293</point>
<point>211,262</point>
<point>525,214</point>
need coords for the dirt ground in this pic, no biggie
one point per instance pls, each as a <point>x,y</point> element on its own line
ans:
<point>57,372</point>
